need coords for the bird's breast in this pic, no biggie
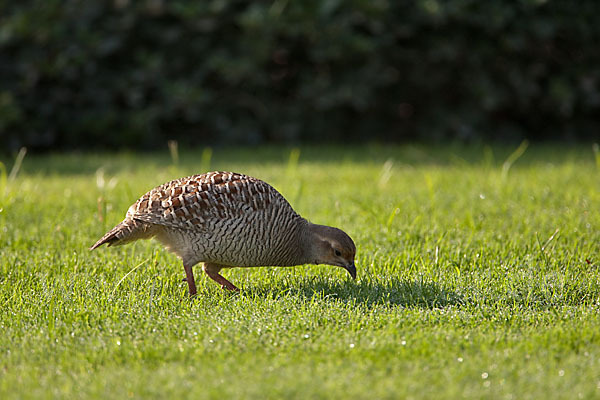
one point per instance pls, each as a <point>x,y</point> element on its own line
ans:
<point>266,237</point>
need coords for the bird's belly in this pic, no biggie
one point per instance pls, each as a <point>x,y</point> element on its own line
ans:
<point>239,251</point>
<point>242,243</point>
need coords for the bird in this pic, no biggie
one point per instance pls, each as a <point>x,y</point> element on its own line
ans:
<point>225,220</point>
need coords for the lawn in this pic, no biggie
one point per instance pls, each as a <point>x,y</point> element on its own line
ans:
<point>478,277</point>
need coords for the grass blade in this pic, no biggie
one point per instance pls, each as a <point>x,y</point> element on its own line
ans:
<point>17,165</point>
<point>515,155</point>
<point>126,275</point>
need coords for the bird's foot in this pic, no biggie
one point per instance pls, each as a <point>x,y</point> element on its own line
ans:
<point>230,287</point>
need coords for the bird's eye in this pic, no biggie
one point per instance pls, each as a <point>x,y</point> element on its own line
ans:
<point>337,252</point>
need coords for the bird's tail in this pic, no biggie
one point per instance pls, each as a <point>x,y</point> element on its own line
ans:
<point>125,232</point>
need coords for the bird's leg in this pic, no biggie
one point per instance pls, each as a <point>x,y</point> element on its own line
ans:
<point>212,270</point>
<point>189,273</point>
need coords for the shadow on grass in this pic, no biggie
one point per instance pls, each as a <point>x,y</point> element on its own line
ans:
<point>394,292</point>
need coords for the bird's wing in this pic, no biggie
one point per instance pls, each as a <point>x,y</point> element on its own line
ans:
<point>191,202</point>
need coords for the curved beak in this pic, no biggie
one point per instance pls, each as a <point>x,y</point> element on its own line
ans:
<point>351,268</point>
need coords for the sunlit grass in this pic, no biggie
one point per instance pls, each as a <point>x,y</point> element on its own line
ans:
<point>476,279</point>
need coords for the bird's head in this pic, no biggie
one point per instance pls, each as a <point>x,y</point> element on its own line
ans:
<point>332,246</point>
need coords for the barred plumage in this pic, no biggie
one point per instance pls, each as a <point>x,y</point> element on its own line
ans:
<point>226,219</point>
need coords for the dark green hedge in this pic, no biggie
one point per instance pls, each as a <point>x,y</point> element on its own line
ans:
<point>136,73</point>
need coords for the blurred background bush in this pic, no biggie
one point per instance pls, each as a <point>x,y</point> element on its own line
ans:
<point>81,73</point>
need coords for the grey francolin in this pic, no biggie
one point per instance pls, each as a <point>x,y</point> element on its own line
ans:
<point>225,220</point>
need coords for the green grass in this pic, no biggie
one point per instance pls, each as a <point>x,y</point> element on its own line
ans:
<point>479,277</point>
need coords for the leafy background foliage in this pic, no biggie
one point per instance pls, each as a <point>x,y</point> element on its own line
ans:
<point>136,73</point>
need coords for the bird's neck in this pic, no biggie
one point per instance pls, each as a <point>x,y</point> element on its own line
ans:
<point>311,240</point>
